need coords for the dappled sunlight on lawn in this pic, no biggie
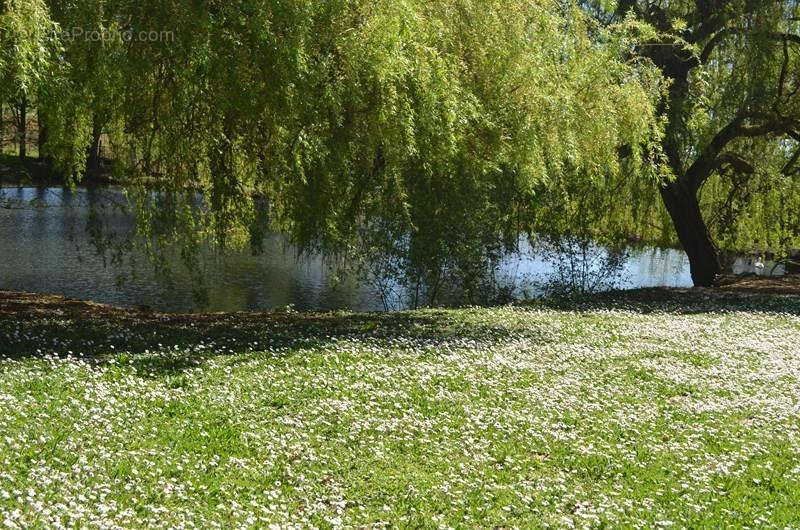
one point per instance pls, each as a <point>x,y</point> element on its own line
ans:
<point>611,411</point>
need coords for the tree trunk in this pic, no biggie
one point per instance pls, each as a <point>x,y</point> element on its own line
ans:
<point>793,265</point>
<point>23,128</point>
<point>93,158</point>
<point>2,129</point>
<point>42,143</point>
<point>684,209</point>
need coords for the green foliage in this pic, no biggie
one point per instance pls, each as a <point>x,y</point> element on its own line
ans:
<point>413,136</point>
<point>733,111</point>
<point>419,132</point>
<point>27,52</point>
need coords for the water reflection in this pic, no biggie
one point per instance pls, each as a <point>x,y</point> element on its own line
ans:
<point>46,249</point>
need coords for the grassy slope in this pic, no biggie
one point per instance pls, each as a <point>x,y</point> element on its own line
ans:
<point>622,411</point>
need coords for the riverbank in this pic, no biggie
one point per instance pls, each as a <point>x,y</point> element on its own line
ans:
<point>749,291</point>
<point>34,172</point>
<point>649,408</point>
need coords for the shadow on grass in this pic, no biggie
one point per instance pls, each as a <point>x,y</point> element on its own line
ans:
<point>34,325</point>
<point>681,301</point>
<point>31,325</point>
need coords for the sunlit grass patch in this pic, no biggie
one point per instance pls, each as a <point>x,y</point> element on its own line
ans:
<point>621,413</point>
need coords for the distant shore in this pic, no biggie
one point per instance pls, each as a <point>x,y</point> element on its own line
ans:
<point>731,289</point>
<point>34,172</point>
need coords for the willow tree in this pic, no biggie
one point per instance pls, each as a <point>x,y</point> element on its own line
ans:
<point>28,55</point>
<point>732,139</point>
<point>419,132</point>
<point>77,105</point>
<point>422,131</point>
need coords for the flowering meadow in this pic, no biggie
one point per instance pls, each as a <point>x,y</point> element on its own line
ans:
<point>682,412</point>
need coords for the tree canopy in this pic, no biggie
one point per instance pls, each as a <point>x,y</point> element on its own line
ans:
<point>424,136</point>
<point>732,114</point>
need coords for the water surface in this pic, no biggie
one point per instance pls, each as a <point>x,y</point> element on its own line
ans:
<point>45,248</point>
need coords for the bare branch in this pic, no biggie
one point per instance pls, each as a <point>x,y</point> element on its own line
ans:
<point>717,39</point>
<point>784,68</point>
<point>734,161</point>
<point>709,160</point>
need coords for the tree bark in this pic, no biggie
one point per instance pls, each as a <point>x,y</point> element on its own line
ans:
<point>684,209</point>
<point>23,128</point>
<point>793,265</point>
<point>42,143</point>
<point>93,158</point>
<point>680,195</point>
<point>2,128</point>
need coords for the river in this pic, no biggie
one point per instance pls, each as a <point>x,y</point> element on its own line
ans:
<point>45,248</point>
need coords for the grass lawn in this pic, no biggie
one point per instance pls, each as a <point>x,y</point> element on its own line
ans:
<point>621,411</point>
